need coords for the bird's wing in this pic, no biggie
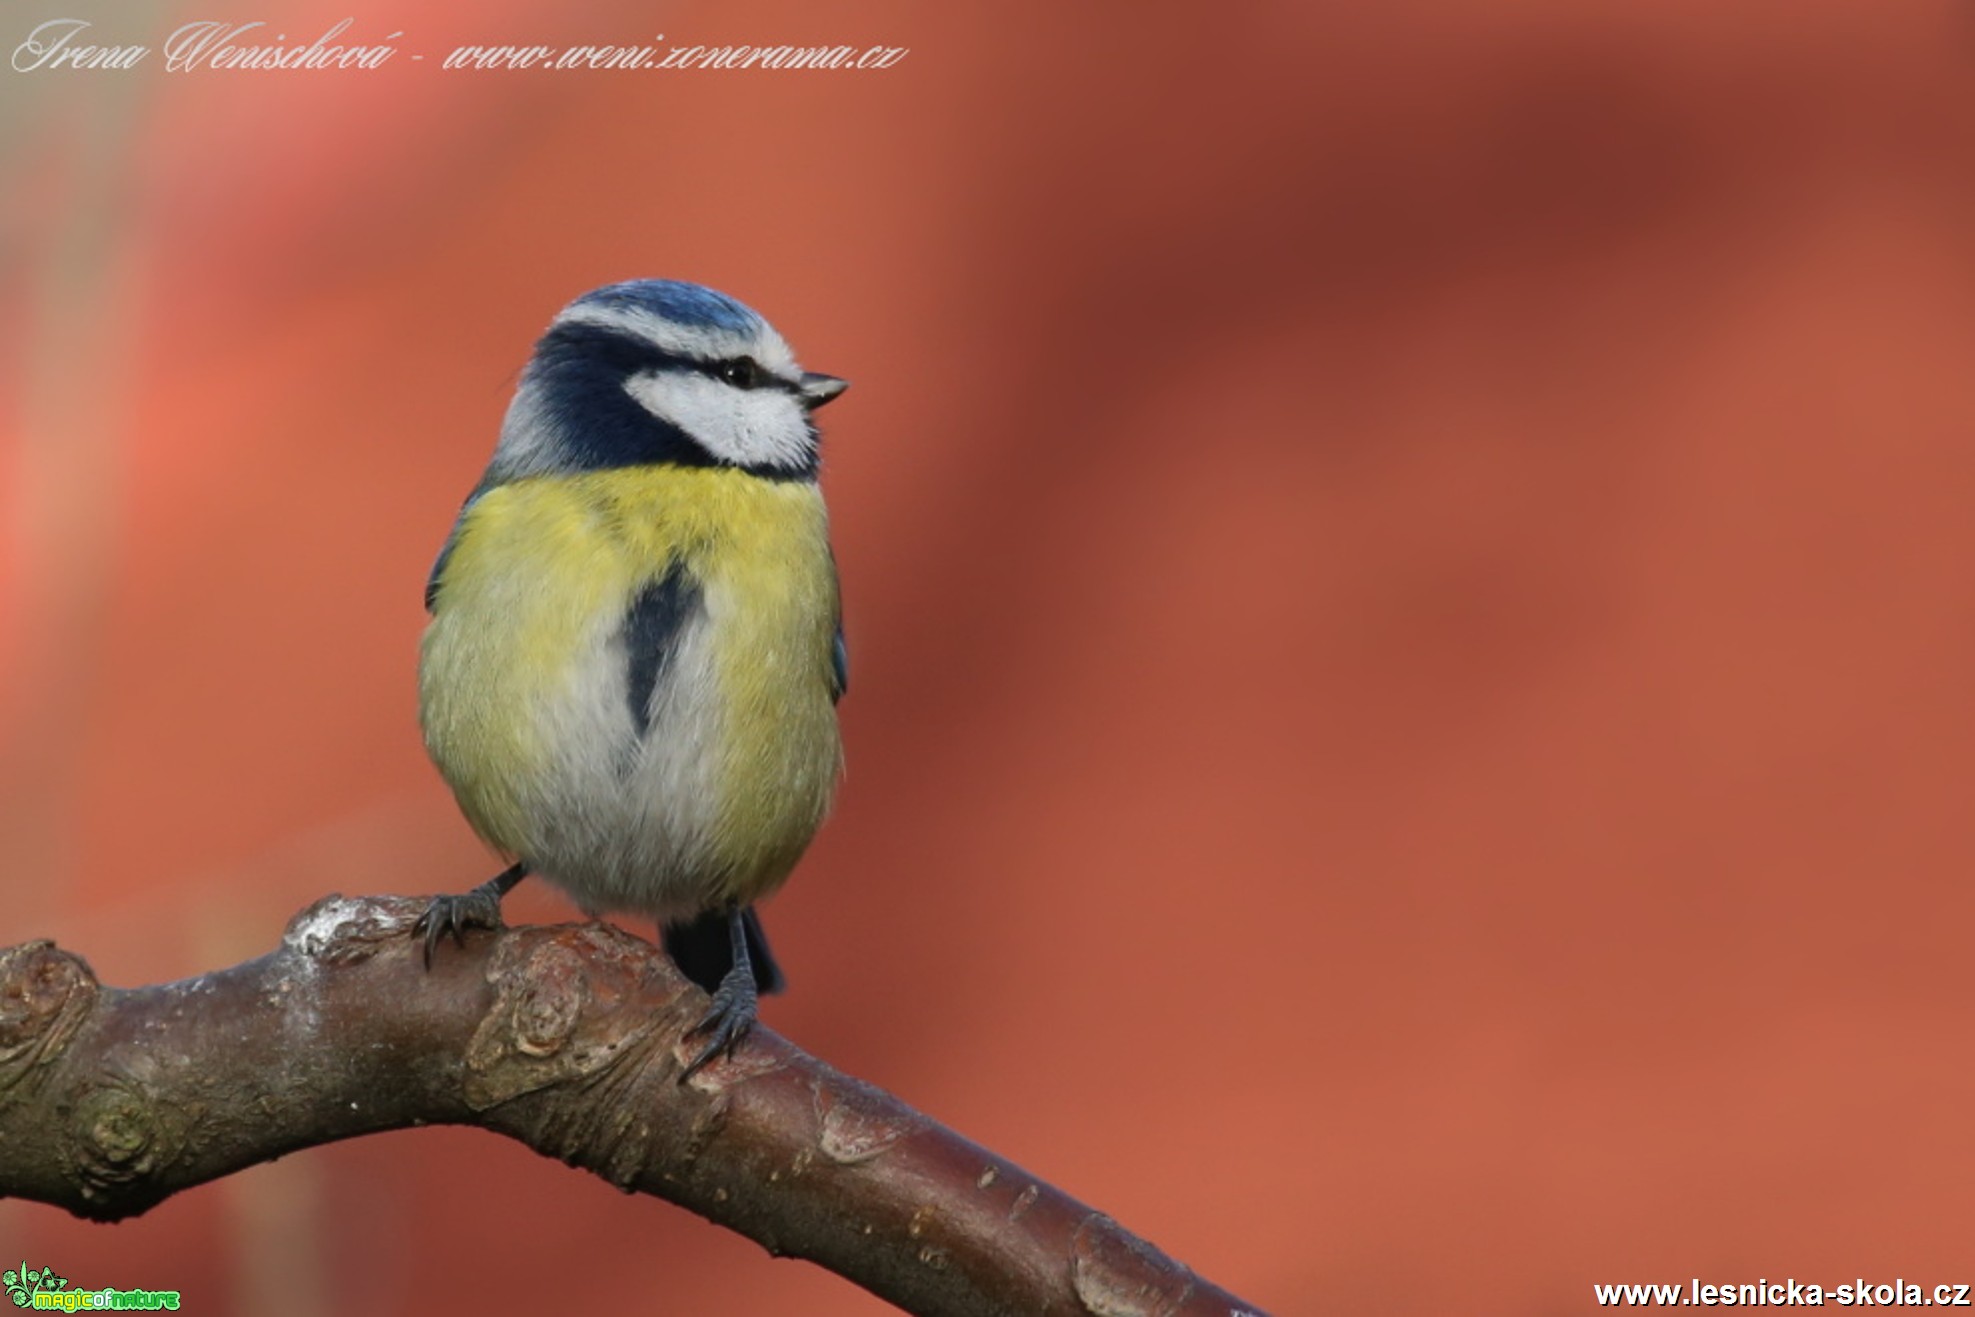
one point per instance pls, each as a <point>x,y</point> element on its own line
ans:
<point>445,552</point>
<point>839,651</point>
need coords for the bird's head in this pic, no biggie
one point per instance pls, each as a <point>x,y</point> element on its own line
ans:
<point>655,371</point>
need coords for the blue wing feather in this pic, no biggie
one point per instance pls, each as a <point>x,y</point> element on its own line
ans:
<point>433,581</point>
<point>438,570</point>
<point>839,651</point>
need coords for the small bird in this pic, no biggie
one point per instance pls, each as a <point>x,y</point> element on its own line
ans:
<point>630,674</point>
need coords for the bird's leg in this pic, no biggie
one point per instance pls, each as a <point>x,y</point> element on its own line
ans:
<point>479,908</point>
<point>731,1015</point>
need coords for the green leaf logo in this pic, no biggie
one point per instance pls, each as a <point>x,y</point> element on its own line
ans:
<point>22,1285</point>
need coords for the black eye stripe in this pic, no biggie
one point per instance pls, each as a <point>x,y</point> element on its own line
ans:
<point>608,348</point>
<point>632,355</point>
<point>745,373</point>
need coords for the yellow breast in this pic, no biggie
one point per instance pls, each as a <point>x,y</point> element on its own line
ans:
<point>522,681</point>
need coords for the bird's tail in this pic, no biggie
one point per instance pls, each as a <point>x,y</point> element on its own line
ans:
<point>703,951</point>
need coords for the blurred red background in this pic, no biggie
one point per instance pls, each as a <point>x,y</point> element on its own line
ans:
<point>1407,567</point>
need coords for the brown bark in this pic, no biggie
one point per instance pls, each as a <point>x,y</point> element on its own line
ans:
<point>570,1039</point>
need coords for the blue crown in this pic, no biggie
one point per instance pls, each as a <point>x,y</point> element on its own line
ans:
<point>676,301</point>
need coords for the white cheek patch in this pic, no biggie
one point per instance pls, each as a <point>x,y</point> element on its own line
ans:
<point>748,427</point>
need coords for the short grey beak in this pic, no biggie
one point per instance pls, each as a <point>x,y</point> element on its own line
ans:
<point>819,389</point>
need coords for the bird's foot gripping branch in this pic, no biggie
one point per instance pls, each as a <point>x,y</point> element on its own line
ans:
<point>568,1038</point>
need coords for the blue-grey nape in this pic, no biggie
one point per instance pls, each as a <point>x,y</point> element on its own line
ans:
<point>681,303</point>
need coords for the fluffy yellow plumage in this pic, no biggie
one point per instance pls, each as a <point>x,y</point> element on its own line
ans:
<point>631,672</point>
<point>521,681</point>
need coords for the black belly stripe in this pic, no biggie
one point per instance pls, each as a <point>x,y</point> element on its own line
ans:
<point>657,617</point>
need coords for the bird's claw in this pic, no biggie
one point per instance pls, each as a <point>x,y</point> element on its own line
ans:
<point>727,1020</point>
<point>455,914</point>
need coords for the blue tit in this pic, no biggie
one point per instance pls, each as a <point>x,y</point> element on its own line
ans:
<point>630,674</point>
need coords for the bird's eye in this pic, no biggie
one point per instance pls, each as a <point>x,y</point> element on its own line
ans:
<point>741,372</point>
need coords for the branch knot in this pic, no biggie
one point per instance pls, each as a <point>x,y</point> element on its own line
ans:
<point>119,1135</point>
<point>45,996</point>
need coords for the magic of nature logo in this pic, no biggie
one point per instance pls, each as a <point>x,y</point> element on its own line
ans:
<point>42,1289</point>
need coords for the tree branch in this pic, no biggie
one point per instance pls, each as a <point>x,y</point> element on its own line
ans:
<point>570,1039</point>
